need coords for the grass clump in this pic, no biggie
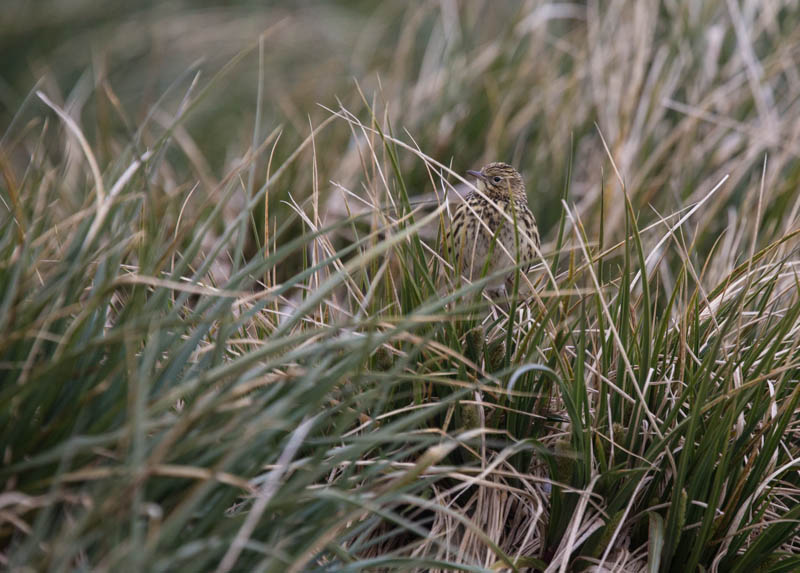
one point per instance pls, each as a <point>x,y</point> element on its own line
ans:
<point>276,370</point>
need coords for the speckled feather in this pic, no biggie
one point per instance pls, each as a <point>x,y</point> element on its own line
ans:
<point>472,240</point>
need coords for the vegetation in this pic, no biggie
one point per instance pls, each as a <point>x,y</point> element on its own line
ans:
<point>231,339</point>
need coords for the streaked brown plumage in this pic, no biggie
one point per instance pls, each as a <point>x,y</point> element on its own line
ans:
<point>501,184</point>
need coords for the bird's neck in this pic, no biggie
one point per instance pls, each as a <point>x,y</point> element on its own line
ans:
<point>503,194</point>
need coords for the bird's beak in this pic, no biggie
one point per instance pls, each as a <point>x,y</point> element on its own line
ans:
<point>477,174</point>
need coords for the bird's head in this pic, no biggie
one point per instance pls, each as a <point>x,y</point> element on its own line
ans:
<point>500,180</point>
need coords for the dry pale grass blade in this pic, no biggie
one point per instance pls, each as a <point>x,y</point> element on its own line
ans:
<point>101,202</point>
<point>266,492</point>
<point>672,229</point>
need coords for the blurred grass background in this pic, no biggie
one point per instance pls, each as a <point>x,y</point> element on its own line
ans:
<point>145,421</point>
<point>521,81</point>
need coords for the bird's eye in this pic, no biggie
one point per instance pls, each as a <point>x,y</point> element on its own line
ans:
<point>496,179</point>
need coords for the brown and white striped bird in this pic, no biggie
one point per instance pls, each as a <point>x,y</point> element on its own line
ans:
<point>493,211</point>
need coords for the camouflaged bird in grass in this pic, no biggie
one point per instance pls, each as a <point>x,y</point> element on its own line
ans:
<point>482,233</point>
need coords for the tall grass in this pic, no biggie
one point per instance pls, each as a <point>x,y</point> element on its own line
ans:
<point>263,361</point>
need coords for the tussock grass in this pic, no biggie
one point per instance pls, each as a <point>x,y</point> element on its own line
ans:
<point>267,363</point>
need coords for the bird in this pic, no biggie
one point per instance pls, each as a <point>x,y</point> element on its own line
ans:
<point>482,232</point>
